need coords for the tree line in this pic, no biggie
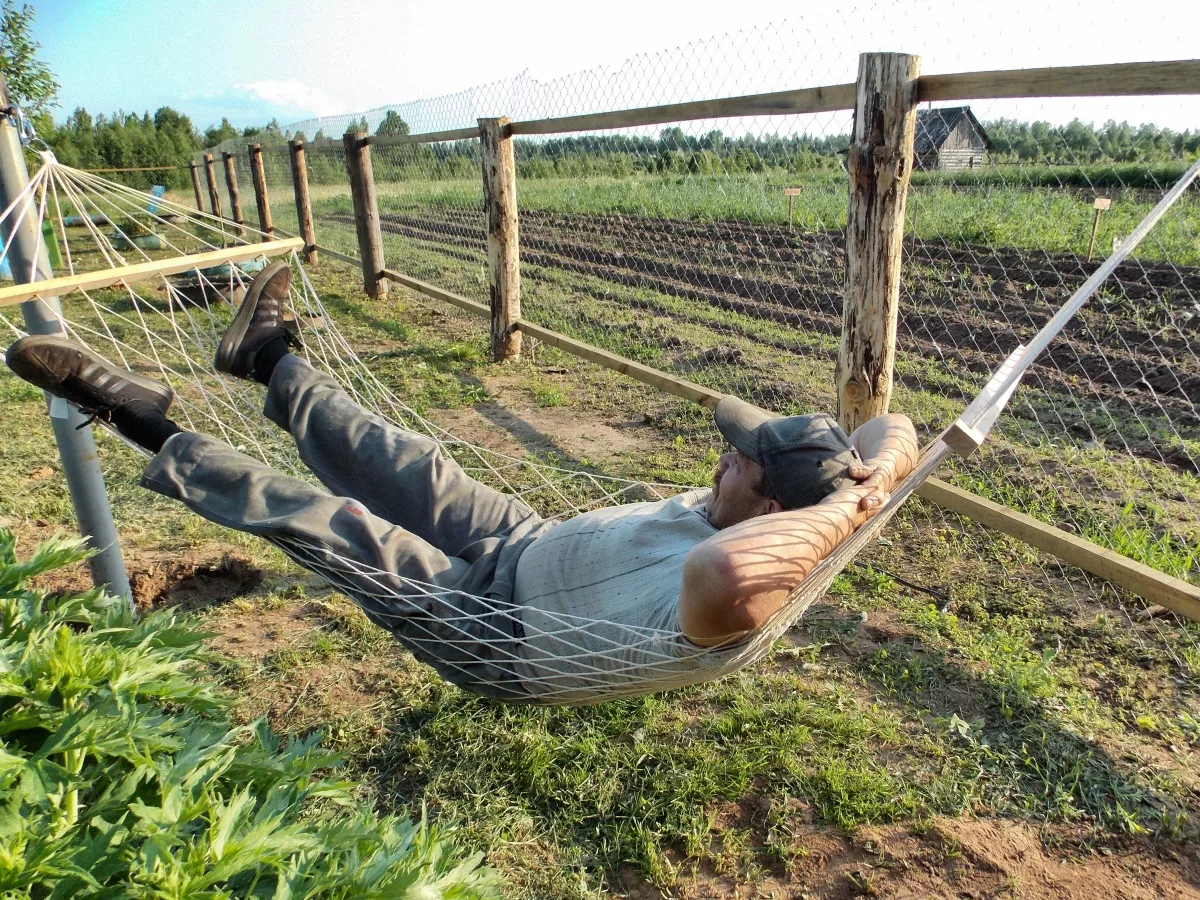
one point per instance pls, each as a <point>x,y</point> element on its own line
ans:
<point>169,138</point>
<point>1077,144</point>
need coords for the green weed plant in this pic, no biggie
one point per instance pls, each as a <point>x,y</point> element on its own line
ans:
<point>122,775</point>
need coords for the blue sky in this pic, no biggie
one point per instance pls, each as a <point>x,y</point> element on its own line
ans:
<point>252,61</point>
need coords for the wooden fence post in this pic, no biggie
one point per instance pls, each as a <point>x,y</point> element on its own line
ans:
<point>210,175</point>
<point>880,164</point>
<point>196,184</point>
<point>303,203</point>
<point>366,212</point>
<point>259,176</point>
<point>500,203</point>
<point>235,196</point>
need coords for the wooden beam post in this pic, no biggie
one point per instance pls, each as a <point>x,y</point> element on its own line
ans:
<point>258,175</point>
<point>303,203</point>
<point>196,184</point>
<point>210,175</point>
<point>880,164</point>
<point>235,196</point>
<point>366,212</point>
<point>500,203</point>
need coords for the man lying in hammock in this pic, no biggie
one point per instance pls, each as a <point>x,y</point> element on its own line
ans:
<point>471,580</point>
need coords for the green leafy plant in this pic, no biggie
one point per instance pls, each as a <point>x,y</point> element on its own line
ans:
<point>133,228</point>
<point>122,775</point>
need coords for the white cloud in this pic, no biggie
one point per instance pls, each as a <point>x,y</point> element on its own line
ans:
<point>257,102</point>
<point>291,95</point>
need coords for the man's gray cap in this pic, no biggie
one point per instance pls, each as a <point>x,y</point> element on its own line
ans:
<point>805,458</point>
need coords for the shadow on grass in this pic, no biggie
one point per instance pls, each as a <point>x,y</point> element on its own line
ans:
<point>1030,765</point>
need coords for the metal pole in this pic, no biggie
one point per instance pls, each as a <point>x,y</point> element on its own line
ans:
<point>29,261</point>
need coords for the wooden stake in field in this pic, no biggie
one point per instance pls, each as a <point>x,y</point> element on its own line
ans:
<point>791,193</point>
<point>303,201</point>
<point>500,205</point>
<point>880,165</point>
<point>259,176</point>
<point>196,185</point>
<point>366,212</point>
<point>235,196</point>
<point>210,175</point>
<point>1101,204</point>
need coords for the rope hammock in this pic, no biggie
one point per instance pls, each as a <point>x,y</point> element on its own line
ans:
<point>168,326</point>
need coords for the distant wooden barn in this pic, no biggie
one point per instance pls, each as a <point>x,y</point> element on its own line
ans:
<point>950,138</point>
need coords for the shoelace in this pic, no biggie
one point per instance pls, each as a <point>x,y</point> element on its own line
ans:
<point>103,413</point>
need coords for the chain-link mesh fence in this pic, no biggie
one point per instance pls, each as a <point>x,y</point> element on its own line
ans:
<point>714,250</point>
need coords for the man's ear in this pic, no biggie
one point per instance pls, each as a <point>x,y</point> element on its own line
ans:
<point>773,506</point>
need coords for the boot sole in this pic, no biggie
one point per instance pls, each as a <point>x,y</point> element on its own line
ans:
<point>240,325</point>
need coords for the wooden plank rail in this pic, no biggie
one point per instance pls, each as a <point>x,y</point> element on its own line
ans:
<point>56,287</point>
<point>781,103</point>
<point>431,137</point>
<point>1150,584</point>
<point>1111,80</point>
<point>1115,80</point>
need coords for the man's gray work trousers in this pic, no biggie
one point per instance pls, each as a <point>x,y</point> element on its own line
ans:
<point>399,512</point>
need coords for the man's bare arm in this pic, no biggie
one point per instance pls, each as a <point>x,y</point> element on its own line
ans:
<point>888,446</point>
<point>734,581</point>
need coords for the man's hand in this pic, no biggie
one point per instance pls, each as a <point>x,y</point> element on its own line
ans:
<point>878,481</point>
<point>888,447</point>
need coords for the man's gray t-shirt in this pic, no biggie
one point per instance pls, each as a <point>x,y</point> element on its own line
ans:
<point>599,597</point>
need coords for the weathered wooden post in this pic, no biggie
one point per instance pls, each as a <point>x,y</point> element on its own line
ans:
<point>500,203</point>
<point>235,196</point>
<point>1101,204</point>
<point>196,185</point>
<point>210,175</point>
<point>259,176</point>
<point>366,212</point>
<point>879,164</point>
<point>303,203</point>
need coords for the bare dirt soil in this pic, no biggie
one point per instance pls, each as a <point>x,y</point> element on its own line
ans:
<point>956,859</point>
<point>1130,349</point>
<point>190,580</point>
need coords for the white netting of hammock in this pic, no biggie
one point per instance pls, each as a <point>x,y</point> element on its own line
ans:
<point>168,327</point>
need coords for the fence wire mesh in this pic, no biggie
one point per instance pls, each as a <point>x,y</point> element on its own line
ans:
<point>715,250</point>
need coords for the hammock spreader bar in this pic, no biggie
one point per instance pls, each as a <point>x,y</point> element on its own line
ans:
<point>969,431</point>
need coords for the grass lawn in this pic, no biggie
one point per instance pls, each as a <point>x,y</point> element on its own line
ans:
<point>959,713</point>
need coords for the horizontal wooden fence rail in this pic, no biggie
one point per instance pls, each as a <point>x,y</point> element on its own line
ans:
<point>138,169</point>
<point>782,103</point>
<point>1112,80</point>
<point>1115,80</point>
<point>432,137</point>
